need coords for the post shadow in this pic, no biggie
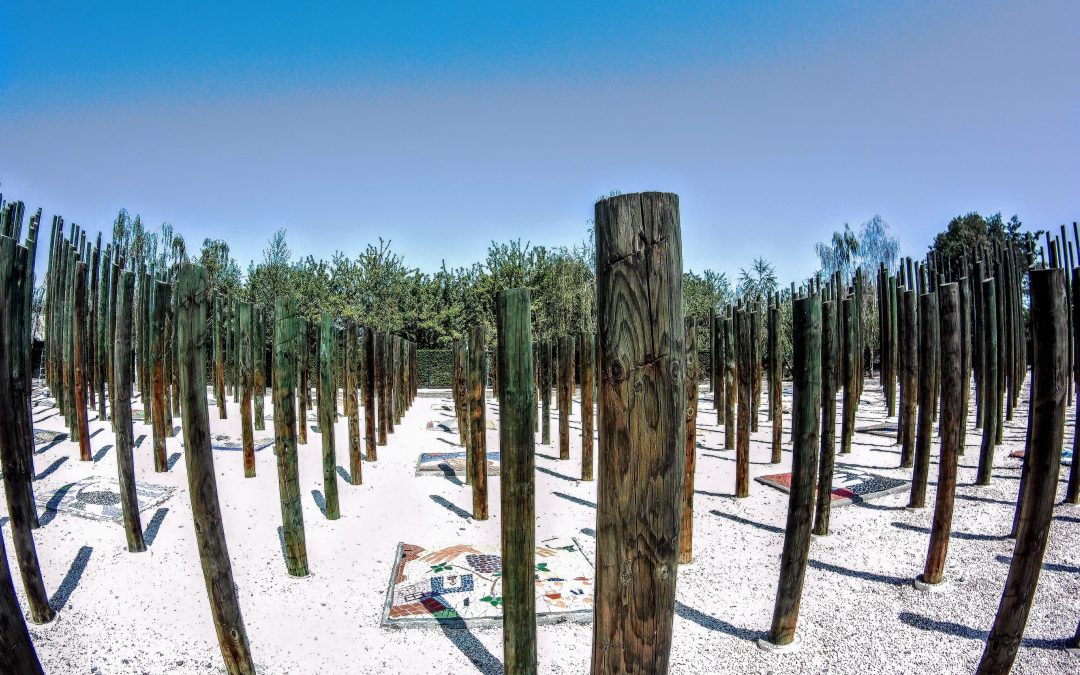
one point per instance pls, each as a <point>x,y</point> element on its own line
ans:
<point>71,579</point>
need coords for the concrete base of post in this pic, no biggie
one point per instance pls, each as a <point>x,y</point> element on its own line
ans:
<point>772,648</point>
<point>48,625</point>
<point>921,585</point>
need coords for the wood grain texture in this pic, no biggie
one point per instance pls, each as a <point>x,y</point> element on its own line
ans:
<point>477,423</point>
<point>327,418</point>
<point>517,445</point>
<point>745,373</point>
<point>1049,380</point>
<point>202,482</point>
<point>125,435</point>
<point>158,311</point>
<point>909,374</point>
<point>587,343</point>
<point>830,359</point>
<point>565,392</point>
<point>686,527</point>
<point>17,653</point>
<point>369,395</point>
<point>642,430</point>
<point>219,355</point>
<point>79,335</point>
<point>928,365</point>
<point>849,369</point>
<point>286,337</point>
<point>461,397</point>
<point>245,360</point>
<point>730,388</point>
<point>991,395</point>
<point>351,374</point>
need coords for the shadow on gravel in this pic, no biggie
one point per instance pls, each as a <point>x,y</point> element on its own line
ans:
<point>712,623</point>
<point>56,441</point>
<point>171,462</point>
<point>71,579</point>
<point>732,459</point>
<point>451,507</point>
<point>449,473</point>
<point>320,501</point>
<point>152,528</point>
<point>865,576</point>
<point>49,470</point>
<point>458,633</point>
<point>714,494</point>
<point>1049,567</point>
<point>344,474</point>
<point>970,536</point>
<point>576,500</point>
<point>960,630</point>
<point>585,530</point>
<point>556,474</point>
<point>751,523</point>
<point>54,501</point>
<point>100,454</point>
<point>985,500</point>
<point>551,457</point>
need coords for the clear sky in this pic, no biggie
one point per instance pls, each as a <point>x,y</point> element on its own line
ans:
<point>444,125</point>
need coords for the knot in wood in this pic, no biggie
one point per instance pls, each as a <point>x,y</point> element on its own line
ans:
<point>618,371</point>
<point>676,372</point>
<point>625,577</point>
<point>234,635</point>
<point>662,572</point>
<point>639,385</point>
<point>198,527</point>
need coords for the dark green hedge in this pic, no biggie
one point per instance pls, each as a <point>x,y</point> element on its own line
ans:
<point>436,368</point>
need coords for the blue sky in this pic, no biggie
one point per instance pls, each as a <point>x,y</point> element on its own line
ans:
<point>442,126</point>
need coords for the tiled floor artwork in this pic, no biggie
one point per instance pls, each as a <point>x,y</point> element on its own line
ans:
<point>886,429</point>
<point>451,464</point>
<point>43,437</point>
<point>228,443</point>
<point>850,484</point>
<point>1066,455</point>
<point>99,498</point>
<point>451,425</point>
<point>463,582</point>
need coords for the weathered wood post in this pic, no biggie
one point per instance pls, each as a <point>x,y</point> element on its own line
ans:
<point>928,365</point>
<point>565,392</point>
<point>395,371</point>
<point>588,400</point>
<point>754,316</point>
<point>377,374</point>
<point>545,392</point>
<point>642,418</point>
<point>286,336</point>
<point>461,396</point>
<point>686,527</point>
<point>202,482</point>
<point>951,405</point>
<point>909,364</point>
<point>18,654</point>
<point>805,411</point>
<point>78,337</point>
<point>125,435</point>
<point>990,394</point>
<point>716,327</point>
<point>245,318</point>
<point>965,358</point>
<point>219,355</point>
<point>850,366</point>
<point>158,309</point>
<point>1072,490</point>
<point>352,403</point>
<point>730,387</point>
<point>303,347</point>
<point>517,441</point>
<point>387,372</point>
<point>477,423</point>
<point>369,395</point>
<point>327,394</point>
<point>259,367</point>
<point>744,355</point>
<point>776,385</point>
<point>1049,380</point>
<point>829,370</point>
<point>17,435</point>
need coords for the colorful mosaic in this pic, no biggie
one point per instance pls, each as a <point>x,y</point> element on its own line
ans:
<point>451,425</point>
<point>465,582</point>
<point>99,498</point>
<point>850,484</point>
<point>452,464</point>
<point>1066,455</point>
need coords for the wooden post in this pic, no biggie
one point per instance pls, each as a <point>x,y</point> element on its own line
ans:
<point>125,435</point>
<point>755,366</point>
<point>388,381</point>
<point>588,388</point>
<point>991,395</point>
<point>303,348</point>
<point>377,376</point>
<point>806,407</point>
<point>730,388</point>
<point>776,385</point>
<point>1049,380</point>
<point>158,310</point>
<point>327,394</point>
<point>202,481</point>
<point>369,395</point>
<point>517,410</point>
<point>965,359</point>
<point>1072,491</point>
<point>744,355</point>
<point>642,430</point>
<point>219,356</point>
<point>686,527</point>
<point>17,436</point>
<point>78,337</point>
<point>18,654</point>
<point>259,367</point>
<point>245,314</point>
<point>829,370</point>
<point>461,396</point>
<point>719,365</point>
<point>395,383</point>
<point>565,392</point>
<point>545,392</point>
<point>909,365</point>
<point>850,367</point>
<point>951,405</point>
<point>928,364</point>
<point>286,336</point>
<point>356,469</point>
<point>478,423</point>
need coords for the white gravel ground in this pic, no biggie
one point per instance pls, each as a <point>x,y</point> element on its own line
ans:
<point>148,612</point>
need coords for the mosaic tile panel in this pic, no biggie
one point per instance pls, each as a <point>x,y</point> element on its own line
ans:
<point>464,582</point>
<point>1066,455</point>
<point>452,464</point>
<point>99,498</point>
<point>850,484</point>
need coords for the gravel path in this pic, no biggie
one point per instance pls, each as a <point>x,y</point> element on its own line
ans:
<point>148,613</point>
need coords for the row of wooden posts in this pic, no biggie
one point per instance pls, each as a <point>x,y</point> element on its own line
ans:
<point>940,328</point>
